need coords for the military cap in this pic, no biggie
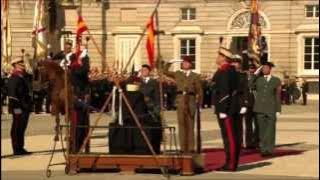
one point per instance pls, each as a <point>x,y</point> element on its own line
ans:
<point>270,64</point>
<point>146,66</point>
<point>16,60</point>
<point>237,58</point>
<point>187,59</point>
<point>225,52</point>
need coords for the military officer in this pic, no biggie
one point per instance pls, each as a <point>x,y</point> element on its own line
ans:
<point>81,90</point>
<point>189,93</point>
<point>19,105</point>
<point>227,107</point>
<point>243,91</point>
<point>267,107</point>
<point>150,89</point>
<point>252,131</point>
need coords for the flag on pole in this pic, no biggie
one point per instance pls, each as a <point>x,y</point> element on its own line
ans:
<point>151,41</point>
<point>6,39</point>
<point>39,30</point>
<point>81,28</point>
<point>254,38</point>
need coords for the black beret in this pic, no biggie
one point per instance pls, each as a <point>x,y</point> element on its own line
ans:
<point>146,66</point>
<point>270,64</point>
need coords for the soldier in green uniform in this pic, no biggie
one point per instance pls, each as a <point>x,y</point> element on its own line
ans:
<point>267,107</point>
<point>189,93</point>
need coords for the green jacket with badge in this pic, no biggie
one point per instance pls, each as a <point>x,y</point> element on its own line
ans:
<point>267,99</point>
<point>189,84</point>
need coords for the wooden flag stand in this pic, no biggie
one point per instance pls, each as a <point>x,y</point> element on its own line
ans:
<point>128,163</point>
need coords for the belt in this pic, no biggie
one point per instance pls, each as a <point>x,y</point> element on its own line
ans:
<point>186,93</point>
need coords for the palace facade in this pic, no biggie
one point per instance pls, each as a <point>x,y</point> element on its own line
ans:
<point>187,27</point>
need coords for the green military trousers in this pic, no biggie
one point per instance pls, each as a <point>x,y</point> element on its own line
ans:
<point>267,132</point>
<point>186,108</point>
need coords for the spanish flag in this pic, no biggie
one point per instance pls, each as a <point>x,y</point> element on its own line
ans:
<point>150,41</point>
<point>81,28</point>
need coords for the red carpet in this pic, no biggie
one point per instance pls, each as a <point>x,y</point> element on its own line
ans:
<point>215,158</point>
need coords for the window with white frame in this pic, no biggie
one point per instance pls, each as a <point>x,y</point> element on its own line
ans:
<point>311,53</point>
<point>188,48</point>
<point>312,11</point>
<point>188,14</point>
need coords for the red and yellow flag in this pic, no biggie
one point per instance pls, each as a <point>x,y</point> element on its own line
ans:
<point>81,28</point>
<point>151,41</point>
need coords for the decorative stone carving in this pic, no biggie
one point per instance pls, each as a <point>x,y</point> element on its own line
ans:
<point>242,21</point>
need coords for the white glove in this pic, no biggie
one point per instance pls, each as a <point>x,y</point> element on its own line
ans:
<point>17,111</point>
<point>84,53</point>
<point>175,61</point>
<point>222,115</point>
<point>243,110</point>
<point>258,70</point>
<point>278,114</point>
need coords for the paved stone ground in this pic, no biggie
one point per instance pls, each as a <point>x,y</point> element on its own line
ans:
<point>297,128</point>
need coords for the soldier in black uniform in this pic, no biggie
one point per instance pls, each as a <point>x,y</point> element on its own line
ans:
<point>243,90</point>
<point>252,132</point>
<point>150,89</point>
<point>19,105</point>
<point>227,107</point>
<point>80,85</point>
<point>81,90</point>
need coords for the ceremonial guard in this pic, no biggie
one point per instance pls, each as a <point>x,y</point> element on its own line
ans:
<point>19,105</point>
<point>267,107</point>
<point>189,95</point>
<point>80,83</point>
<point>81,91</point>
<point>227,107</point>
<point>252,131</point>
<point>243,90</point>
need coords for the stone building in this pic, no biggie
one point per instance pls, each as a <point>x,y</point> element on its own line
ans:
<point>188,27</point>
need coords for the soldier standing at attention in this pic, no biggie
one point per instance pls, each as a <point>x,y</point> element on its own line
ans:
<point>150,89</point>
<point>189,93</point>
<point>19,105</point>
<point>81,90</point>
<point>243,92</point>
<point>227,107</point>
<point>267,107</point>
<point>252,131</point>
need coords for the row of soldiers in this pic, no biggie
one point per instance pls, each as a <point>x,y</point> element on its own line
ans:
<point>253,96</point>
<point>236,94</point>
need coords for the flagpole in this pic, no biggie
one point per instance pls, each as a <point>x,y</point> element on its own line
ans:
<point>140,39</point>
